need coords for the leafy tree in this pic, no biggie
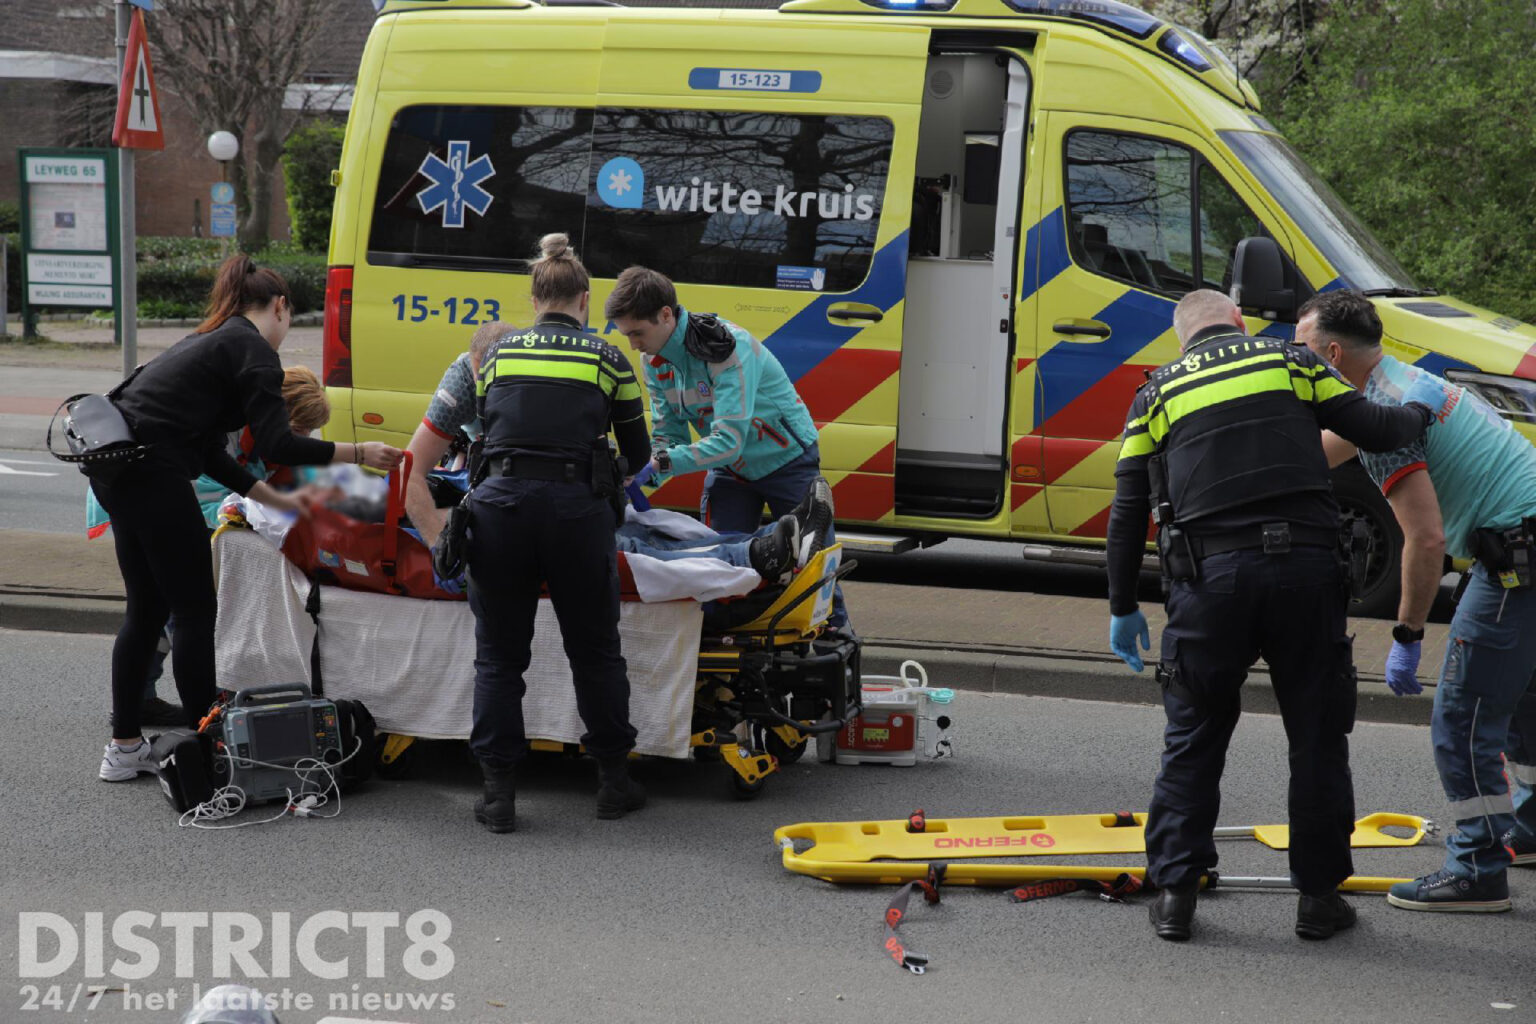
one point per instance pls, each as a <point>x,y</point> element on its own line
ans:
<point>311,153</point>
<point>232,62</point>
<point>1418,114</point>
<point>1272,42</point>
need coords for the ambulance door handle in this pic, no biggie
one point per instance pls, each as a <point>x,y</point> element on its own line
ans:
<point>1085,328</point>
<point>853,311</point>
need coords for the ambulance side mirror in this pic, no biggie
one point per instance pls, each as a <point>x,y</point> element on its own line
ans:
<point>1259,280</point>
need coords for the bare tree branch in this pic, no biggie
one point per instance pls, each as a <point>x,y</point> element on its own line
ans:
<point>232,61</point>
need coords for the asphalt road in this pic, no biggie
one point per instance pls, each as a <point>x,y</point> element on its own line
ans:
<point>38,492</point>
<point>683,913</point>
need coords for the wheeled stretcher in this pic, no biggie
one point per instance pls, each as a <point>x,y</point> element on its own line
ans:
<point>746,686</point>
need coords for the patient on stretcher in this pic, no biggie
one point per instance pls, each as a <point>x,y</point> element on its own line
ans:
<point>665,556</point>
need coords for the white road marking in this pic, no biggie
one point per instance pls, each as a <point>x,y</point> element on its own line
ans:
<point>7,470</point>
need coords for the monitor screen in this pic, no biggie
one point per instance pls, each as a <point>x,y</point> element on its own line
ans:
<point>280,736</point>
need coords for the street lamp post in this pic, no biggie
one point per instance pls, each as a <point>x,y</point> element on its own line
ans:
<point>223,147</point>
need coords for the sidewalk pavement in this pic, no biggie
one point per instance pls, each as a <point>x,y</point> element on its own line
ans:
<point>977,640</point>
<point>82,356</point>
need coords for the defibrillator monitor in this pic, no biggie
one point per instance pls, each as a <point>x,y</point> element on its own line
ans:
<point>282,736</point>
<point>272,735</point>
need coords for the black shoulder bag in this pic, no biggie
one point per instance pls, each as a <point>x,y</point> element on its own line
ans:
<point>100,440</point>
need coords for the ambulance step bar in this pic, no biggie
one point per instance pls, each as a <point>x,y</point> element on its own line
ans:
<point>896,543</point>
<point>1074,556</point>
<point>879,543</point>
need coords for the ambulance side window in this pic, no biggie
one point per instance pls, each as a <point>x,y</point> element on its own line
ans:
<point>475,186</point>
<point>1131,205</point>
<point>759,200</point>
<point>1224,221</point>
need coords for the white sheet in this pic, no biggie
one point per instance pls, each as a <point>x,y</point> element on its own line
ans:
<point>412,661</point>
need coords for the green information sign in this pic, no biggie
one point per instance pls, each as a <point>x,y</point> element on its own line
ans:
<point>69,230</point>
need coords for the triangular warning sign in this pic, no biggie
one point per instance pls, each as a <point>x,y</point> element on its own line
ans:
<point>138,124</point>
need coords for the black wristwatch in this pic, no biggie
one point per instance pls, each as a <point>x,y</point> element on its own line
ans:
<point>1403,635</point>
<point>663,461</point>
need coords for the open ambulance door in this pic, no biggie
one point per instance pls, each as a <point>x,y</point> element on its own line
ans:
<point>958,331</point>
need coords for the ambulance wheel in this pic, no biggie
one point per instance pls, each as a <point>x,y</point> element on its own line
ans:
<point>741,789</point>
<point>1360,499</point>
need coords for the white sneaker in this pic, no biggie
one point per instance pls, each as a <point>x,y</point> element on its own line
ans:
<point>118,765</point>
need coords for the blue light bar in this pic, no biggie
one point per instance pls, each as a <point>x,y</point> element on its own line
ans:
<point>1110,13</point>
<point>1182,50</point>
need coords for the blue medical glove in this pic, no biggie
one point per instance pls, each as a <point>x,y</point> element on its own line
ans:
<point>1123,632</point>
<point>453,586</point>
<point>1403,668</point>
<point>1429,390</point>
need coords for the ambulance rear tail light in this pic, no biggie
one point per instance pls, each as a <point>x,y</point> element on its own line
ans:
<point>337,351</point>
<point>1513,398</point>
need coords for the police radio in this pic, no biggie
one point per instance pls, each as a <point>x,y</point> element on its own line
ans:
<point>271,736</point>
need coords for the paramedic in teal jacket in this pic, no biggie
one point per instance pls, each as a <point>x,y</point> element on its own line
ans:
<point>757,442</point>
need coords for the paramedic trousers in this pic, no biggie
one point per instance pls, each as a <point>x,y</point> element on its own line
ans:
<point>1484,708</point>
<point>1289,608</point>
<point>167,567</point>
<point>732,504</point>
<point>524,533</point>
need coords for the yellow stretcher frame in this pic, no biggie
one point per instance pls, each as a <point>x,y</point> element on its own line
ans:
<point>892,852</point>
<point>784,629</point>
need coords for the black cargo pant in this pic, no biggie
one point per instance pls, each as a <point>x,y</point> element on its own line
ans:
<point>524,533</point>
<point>1290,609</point>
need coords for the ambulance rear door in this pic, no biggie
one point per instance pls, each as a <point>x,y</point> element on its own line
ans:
<point>478,146</point>
<point>764,163</point>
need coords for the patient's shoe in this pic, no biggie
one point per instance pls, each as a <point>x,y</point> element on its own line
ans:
<point>773,555</point>
<point>815,522</point>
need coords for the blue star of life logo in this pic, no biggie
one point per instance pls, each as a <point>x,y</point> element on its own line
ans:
<point>455,184</point>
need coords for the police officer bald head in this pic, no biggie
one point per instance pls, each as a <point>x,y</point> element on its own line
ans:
<point>1203,309</point>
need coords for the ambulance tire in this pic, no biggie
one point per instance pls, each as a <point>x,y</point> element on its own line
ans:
<point>1359,498</point>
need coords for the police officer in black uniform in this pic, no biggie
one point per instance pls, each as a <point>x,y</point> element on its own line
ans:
<point>545,514</point>
<point>1223,447</point>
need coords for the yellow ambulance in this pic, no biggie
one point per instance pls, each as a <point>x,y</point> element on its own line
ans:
<point>961,225</point>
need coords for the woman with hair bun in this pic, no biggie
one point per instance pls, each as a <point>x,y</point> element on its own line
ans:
<point>546,399</point>
<point>183,404</point>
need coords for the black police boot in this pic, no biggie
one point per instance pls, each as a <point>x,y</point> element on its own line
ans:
<point>1173,912</point>
<point>617,793</point>
<point>496,809</point>
<point>1318,917</point>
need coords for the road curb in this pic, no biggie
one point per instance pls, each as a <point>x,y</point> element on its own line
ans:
<point>61,614</point>
<point>1074,675</point>
<point>1077,675</point>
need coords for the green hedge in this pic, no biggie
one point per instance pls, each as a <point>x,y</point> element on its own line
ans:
<point>176,275</point>
<point>309,155</point>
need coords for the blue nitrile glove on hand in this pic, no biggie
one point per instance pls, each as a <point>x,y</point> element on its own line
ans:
<point>1403,668</point>
<point>637,497</point>
<point>1429,390</point>
<point>1123,632</point>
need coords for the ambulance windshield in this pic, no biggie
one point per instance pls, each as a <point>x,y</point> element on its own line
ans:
<point>1357,256</point>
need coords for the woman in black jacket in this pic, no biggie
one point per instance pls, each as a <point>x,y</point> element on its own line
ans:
<point>183,404</point>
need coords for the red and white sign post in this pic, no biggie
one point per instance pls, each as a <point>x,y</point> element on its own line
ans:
<point>138,126</point>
